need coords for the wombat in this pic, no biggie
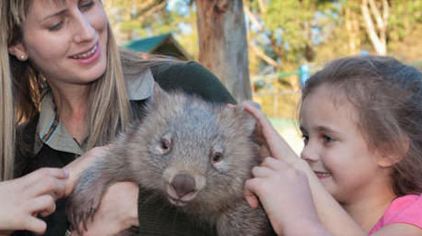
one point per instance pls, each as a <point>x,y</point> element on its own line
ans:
<point>195,153</point>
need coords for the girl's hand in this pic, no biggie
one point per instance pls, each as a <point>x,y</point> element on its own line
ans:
<point>276,145</point>
<point>22,199</point>
<point>284,194</point>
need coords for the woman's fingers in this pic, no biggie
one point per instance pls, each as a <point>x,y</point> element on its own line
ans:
<point>44,205</point>
<point>76,167</point>
<point>35,225</point>
<point>41,174</point>
<point>52,183</point>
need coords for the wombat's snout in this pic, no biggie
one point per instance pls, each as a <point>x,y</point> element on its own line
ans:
<point>182,188</point>
<point>183,184</point>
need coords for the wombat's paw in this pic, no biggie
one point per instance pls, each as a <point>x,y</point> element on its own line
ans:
<point>244,220</point>
<point>133,231</point>
<point>81,208</point>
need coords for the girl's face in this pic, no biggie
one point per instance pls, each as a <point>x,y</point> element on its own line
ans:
<point>65,40</point>
<point>335,148</point>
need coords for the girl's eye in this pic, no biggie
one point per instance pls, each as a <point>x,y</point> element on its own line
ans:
<point>56,26</point>
<point>327,139</point>
<point>86,5</point>
<point>305,138</point>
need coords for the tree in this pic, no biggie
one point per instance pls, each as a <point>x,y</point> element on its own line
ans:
<point>223,43</point>
<point>375,16</point>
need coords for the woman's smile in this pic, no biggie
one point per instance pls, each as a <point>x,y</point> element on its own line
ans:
<point>89,56</point>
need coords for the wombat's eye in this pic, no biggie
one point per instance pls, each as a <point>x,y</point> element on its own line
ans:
<point>165,144</point>
<point>216,157</point>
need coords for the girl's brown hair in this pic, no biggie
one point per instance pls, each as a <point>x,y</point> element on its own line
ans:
<point>388,97</point>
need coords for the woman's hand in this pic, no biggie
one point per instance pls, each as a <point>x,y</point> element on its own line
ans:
<point>22,199</point>
<point>118,210</point>
<point>76,167</point>
<point>119,206</point>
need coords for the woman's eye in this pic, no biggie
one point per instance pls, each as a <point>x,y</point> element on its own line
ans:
<point>56,26</point>
<point>86,5</point>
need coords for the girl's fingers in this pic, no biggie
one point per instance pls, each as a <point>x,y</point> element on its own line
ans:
<point>278,147</point>
<point>261,171</point>
<point>250,197</point>
<point>250,107</point>
<point>267,129</point>
<point>275,164</point>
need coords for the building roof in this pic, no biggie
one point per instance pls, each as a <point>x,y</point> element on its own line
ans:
<point>164,44</point>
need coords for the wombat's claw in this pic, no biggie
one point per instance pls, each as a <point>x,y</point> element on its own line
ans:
<point>81,211</point>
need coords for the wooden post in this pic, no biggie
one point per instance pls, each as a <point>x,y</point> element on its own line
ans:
<point>223,46</point>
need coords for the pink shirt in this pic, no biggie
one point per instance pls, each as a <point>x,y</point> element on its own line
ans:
<point>404,210</point>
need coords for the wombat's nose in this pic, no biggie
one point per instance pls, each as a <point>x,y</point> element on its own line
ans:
<point>183,184</point>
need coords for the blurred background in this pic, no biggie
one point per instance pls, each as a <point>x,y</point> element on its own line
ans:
<point>266,49</point>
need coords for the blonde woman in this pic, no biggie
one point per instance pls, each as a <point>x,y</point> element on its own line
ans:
<point>23,198</point>
<point>75,90</point>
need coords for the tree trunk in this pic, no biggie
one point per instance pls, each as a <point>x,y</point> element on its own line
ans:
<point>223,44</point>
<point>376,19</point>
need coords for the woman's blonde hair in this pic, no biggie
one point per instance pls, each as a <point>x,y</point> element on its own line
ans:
<point>7,124</point>
<point>109,110</point>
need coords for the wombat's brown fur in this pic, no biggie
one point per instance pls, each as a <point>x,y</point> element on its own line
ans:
<point>195,153</point>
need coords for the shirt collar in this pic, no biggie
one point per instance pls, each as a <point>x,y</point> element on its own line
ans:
<point>51,132</point>
<point>141,87</point>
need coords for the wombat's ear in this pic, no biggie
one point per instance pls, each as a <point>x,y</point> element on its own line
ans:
<point>249,121</point>
<point>243,118</point>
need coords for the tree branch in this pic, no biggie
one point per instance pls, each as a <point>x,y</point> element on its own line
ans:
<point>379,42</point>
<point>261,54</point>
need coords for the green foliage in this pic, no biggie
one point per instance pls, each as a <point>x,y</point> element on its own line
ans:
<point>294,27</point>
<point>405,15</point>
<point>286,32</point>
<point>147,18</point>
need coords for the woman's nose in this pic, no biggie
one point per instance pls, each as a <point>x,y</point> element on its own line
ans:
<point>84,30</point>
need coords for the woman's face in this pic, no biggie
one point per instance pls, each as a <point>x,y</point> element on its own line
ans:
<point>65,40</point>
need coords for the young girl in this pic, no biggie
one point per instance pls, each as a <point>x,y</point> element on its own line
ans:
<point>360,169</point>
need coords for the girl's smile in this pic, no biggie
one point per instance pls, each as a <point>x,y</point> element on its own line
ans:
<point>322,174</point>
